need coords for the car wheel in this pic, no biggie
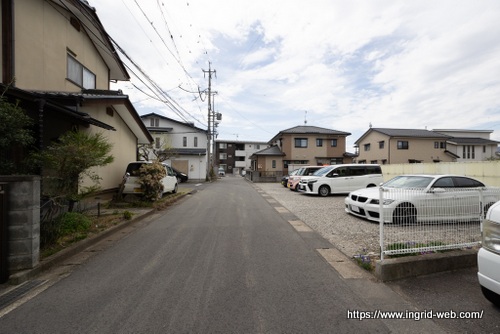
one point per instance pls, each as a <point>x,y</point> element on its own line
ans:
<point>324,191</point>
<point>491,296</point>
<point>404,214</point>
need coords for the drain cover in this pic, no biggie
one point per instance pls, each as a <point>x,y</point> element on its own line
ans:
<point>18,292</point>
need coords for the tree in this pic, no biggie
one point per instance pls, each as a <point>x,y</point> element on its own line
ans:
<point>14,133</point>
<point>164,152</point>
<point>69,160</point>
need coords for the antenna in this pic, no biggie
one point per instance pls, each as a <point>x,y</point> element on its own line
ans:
<point>305,117</point>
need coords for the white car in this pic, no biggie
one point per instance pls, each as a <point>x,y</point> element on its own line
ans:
<point>341,179</point>
<point>488,257</point>
<point>131,179</point>
<point>423,198</point>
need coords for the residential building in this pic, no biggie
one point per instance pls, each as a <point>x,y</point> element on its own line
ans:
<point>234,155</point>
<point>471,145</point>
<point>311,145</point>
<point>397,146</point>
<point>57,63</point>
<point>183,145</point>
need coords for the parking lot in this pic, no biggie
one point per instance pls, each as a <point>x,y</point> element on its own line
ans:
<point>356,236</point>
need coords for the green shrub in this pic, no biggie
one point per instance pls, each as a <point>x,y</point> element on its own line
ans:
<point>127,215</point>
<point>69,223</point>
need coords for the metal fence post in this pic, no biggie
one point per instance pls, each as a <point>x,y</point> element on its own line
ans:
<point>381,221</point>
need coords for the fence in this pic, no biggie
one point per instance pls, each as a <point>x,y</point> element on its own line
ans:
<point>419,220</point>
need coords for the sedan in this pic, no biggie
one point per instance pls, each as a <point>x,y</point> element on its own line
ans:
<point>407,199</point>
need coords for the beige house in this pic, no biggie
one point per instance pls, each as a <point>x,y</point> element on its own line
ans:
<point>311,145</point>
<point>58,62</point>
<point>397,146</point>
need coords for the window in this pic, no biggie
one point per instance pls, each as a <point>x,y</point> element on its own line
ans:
<point>222,145</point>
<point>333,143</point>
<point>367,147</point>
<point>484,148</point>
<point>402,145</point>
<point>222,156</point>
<point>184,142</point>
<point>381,144</point>
<point>319,142</point>
<point>79,74</point>
<point>274,163</point>
<point>195,142</point>
<point>301,142</point>
<point>436,144</point>
<point>469,152</point>
<point>154,122</point>
<point>157,142</point>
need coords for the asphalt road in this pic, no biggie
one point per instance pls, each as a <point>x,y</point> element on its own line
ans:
<point>226,260</point>
<point>222,261</point>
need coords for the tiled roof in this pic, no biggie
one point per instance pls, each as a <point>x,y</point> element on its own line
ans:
<point>273,150</point>
<point>313,129</point>
<point>414,133</point>
<point>472,141</point>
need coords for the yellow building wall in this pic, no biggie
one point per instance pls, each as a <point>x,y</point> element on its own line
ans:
<point>43,36</point>
<point>124,147</point>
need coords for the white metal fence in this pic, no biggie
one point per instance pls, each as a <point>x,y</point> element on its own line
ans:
<point>419,221</point>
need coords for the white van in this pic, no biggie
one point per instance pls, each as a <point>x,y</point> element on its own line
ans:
<point>131,180</point>
<point>341,179</point>
<point>488,257</point>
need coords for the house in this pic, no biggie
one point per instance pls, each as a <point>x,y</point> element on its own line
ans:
<point>58,62</point>
<point>311,145</point>
<point>471,145</point>
<point>234,156</point>
<point>397,146</point>
<point>183,145</point>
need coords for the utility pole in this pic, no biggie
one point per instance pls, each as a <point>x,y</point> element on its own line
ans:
<point>210,117</point>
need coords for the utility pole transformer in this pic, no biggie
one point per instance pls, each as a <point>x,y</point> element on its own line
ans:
<point>210,117</point>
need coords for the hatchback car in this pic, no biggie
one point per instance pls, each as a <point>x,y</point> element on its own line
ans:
<point>293,180</point>
<point>131,179</point>
<point>423,198</point>
<point>181,177</point>
<point>284,179</point>
<point>488,257</point>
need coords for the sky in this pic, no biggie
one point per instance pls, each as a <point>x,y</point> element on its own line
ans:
<point>338,64</point>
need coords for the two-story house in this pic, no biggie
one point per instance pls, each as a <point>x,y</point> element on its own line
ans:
<point>234,156</point>
<point>311,145</point>
<point>184,145</point>
<point>396,146</point>
<point>470,145</point>
<point>58,62</point>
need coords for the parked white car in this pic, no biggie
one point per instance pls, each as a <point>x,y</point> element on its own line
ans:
<point>423,198</point>
<point>341,179</point>
<point>131,179</point>
<point>488,257</point>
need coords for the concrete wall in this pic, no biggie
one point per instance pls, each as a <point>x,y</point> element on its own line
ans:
<point>486,171</point>
<point>23,221</point>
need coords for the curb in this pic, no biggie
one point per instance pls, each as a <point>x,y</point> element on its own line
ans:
<point>412,266</point>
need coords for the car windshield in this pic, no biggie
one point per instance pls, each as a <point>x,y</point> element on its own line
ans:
<point>408,182</point>
<point>323,171</point>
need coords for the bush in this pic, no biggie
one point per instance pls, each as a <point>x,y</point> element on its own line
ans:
<point>150,179</point>
<point>66,224</point>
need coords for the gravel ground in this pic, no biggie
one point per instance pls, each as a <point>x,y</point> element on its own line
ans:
<point>355,236</point>
<point>326,215</point>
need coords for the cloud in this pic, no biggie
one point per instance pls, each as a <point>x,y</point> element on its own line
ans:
<point>348,63</point>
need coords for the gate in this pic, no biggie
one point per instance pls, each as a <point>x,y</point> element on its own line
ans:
<point>4,273</point>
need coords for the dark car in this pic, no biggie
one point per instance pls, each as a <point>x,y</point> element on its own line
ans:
<point>181,177</point>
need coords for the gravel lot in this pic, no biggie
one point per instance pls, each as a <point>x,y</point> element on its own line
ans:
<point>326,215</point>
<point>355,236</point>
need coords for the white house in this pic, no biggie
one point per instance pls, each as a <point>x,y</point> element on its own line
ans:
<point>185,143</point>
<point>470,145</point>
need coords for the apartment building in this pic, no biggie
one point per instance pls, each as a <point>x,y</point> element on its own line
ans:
<point>234,155</point>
